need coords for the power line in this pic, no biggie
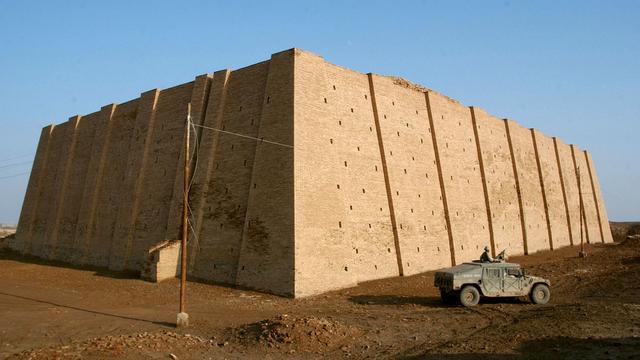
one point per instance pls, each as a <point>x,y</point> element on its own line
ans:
<point>17,157</point>
<point>16,164</point>
<point>246,136</point>
<point>14,175</point>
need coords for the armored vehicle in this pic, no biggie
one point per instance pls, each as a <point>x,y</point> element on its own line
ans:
<point>469,281</point>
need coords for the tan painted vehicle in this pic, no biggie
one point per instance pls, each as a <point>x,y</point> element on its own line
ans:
<point>469,281</point>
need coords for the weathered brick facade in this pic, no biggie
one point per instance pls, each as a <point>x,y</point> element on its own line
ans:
<point>321,178</point>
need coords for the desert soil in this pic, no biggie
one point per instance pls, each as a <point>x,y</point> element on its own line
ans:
<point>48,311</point>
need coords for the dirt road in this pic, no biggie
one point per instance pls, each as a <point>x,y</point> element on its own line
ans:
<point>48,311</point>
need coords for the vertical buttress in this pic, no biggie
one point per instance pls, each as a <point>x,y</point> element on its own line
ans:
<point>518,191</point>
<point>443,191</point>
<point>385,171</point>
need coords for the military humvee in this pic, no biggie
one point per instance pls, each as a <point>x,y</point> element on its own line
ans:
<point>468,281</point>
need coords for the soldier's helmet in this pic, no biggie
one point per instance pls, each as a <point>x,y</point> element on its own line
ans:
<point>486,248</point>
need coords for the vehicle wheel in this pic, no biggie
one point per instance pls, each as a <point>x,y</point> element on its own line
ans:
<point>447,297</point>
<point>540,294</point>
<point>469,296</point>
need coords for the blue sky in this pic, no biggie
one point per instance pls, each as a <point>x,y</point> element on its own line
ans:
<point>569,68</point>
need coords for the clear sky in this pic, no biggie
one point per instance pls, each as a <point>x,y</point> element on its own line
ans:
<point>569,68</point>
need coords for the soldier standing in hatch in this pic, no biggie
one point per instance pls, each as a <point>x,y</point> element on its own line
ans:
<point>486,256</point>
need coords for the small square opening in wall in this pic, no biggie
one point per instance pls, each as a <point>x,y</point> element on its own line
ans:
<point>338,186</point>
<point>424,227</point>
<point>405,171</point>
<point>438,248</point>
<point>334,87</point>
<point>325,100</point>
<point>363,191</point>
<point>385,116</point>
<point>393,103</point>
<point>345,164</point>
<point>351,109</point>
<point>416,112</point>
<point>370,129</point>
<point>340,224</point>
<point>369,226</point>
<point>389,250</point>
<point>331,141</point>
<point>376,167</point>
<point>358,147</point>
<point>350,207</point>
<point>268,99</point>
<point>340,122</point>
<point>421,141</point>
<point>346,268</point>
<point>418,248</point>
<point>356,250</point>
<point>365,96</point>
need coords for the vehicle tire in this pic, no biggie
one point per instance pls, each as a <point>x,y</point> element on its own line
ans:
<point>540,294</point>
<point>469,296</point>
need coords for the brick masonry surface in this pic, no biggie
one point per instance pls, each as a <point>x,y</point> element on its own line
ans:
<point>307,177</point>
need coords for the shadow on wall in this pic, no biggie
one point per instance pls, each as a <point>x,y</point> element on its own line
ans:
<point>554,348</point>
<point>8,254</point>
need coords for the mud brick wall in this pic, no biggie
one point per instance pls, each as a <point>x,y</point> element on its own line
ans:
<point>341,203</point>
<point>461,178</point>
<point>549,173</point>
<point>307,177</point>
<point>500,185</point>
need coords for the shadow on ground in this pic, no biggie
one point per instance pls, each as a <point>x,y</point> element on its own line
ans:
<point>397,300</point>
<point>430,301</point>
<point>555,348</point>
<point>8,254</point>
<point>161,323</point>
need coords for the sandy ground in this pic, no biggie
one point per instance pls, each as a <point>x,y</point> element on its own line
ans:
<point>52,312</point>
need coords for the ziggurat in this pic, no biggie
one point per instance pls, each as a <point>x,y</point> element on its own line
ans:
<point>307,177</point>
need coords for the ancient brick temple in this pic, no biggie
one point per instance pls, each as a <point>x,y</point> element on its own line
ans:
<point>307,177</point>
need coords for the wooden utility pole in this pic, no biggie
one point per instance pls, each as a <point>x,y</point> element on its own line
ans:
<point>582,223</point>
<point>183,317</point>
